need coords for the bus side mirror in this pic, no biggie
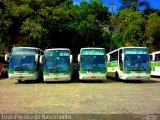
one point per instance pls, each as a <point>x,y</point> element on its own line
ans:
<point>71,58</point>
<point>153,57</point>
<point>36,57</point>
<point>108,58</point>
<point>7,57</point>
<point>41,59</point>
<point>122,56</point>
<point>79,58</point>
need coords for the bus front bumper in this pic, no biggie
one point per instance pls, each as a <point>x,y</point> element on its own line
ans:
<point>92,76</point>
<point>23,77</point>
<point>57,78</point>
<point>136,76</point>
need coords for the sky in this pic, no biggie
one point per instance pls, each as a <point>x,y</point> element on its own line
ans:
<point>154,3</point>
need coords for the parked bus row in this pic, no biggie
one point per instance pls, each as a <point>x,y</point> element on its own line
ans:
<point>126,63</point>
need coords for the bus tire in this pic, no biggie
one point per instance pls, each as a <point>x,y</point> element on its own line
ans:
<point>6,74</point>
<point>2,74</point>
<point>19,81</point>
<point>116,77</point>
<point>100,81</point>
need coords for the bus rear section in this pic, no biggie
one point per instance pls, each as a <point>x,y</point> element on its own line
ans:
<point>155,63</point>
<point>57,65</point>
<point>23,63</point>
<point>129,63</point>
<point>92,64</point>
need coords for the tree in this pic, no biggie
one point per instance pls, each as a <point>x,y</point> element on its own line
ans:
<point>134,33</point>
<point>152,32</point>
<point>132,27</point>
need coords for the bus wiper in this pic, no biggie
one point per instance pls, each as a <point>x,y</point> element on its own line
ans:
<point>97,67</point>
<point>139,63</point>
<point>18,68</point>
<point>92,65</point>
<point>56,68</point>
<point>51,69</point>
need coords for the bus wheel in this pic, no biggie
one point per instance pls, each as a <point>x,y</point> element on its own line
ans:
<point>6,74</point>
<point>19,81</point>
<point>2,74</point>
<point>116,77</point>
<point>100,81</point>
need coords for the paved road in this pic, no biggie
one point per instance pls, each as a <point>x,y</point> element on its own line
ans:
<point>108,97</point>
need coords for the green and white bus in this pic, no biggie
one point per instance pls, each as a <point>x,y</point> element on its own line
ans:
<point>155,63</point>
<point>129,63</point>
<point>24,63</point>
<point>92,63</point>
<point>57,64</point>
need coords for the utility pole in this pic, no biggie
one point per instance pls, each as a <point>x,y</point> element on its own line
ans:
<point>111,3</point>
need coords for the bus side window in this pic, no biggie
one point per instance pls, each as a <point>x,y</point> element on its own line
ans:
<point>157,57</point>
<point>114,56</point>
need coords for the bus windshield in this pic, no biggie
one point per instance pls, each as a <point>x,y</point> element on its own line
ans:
<point>22,62</point>
<point>61,63</point>
<point>93,62</point>
<point>136,62</point>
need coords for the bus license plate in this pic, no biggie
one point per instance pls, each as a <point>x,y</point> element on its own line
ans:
<point>93,77</point>
<point>56,78</point>
<point>138,76</point>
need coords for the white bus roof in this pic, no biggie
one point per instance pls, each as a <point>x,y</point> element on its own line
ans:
<point>123,48</point>
<point>30,48</point>
<point>157,52</point>
<point>27,47</point>
<point>92,53</point>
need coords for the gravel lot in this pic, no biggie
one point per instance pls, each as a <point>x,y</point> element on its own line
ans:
<point>108,97</point>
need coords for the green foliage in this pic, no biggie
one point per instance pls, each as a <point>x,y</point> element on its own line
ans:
<point>60,23</point>
<point>34,32</point>
<point>117,40</point>
<point>152,32</point>
<point>134,32</point>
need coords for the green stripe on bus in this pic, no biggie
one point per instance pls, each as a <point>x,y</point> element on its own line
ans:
<point>21,71</point>
<point>137,71</point>
<point>158,63</point>
<point>55,72</point>
<point>85,71</point>
<point>153,68</point>
<point>153,64</point>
